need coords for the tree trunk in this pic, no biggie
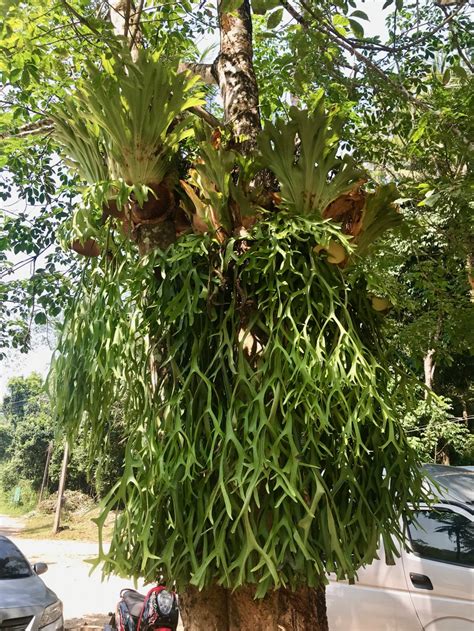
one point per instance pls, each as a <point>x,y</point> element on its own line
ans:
<point>218,609</point>
<point>236,76</point>
<point>206,610</point>
<point>470,274</point>
<point>429,368</point>
<point>465,414</point>
<point>444,458</point>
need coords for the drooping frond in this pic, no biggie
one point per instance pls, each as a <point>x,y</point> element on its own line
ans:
<point>80,140</point>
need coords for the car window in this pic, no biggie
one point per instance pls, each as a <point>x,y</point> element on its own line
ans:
<point>443,535</point>
<point>12,563</point>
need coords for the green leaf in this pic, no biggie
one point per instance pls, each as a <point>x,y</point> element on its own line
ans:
<point>40,318</point>
<point>357,28</point>
<point>339,20</point>
<point>419,131</point>
<point>360,14</point>
<point>260,7</point>
<point>229,6</point>
<point>274,19</point>
<point>460,72</point>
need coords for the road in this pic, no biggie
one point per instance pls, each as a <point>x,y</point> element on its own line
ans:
<point>87,599</point>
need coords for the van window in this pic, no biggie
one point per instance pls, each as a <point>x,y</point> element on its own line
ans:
<point>12,563</point>
<point>443,535</point>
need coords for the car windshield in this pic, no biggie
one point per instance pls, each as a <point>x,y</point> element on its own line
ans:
<point>12,563</point>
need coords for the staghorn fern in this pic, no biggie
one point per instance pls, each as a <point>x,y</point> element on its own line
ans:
<point>80,141</point>
<point>219,187</point>
<point>126,116</point>
<point>136,108</point>
<point>302,154</point>
<point>268,470</point>
<point>378,216</point>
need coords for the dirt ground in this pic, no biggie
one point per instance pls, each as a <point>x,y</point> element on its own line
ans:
<point>86,599</point>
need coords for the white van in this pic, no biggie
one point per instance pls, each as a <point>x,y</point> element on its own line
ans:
<point>431,585</point>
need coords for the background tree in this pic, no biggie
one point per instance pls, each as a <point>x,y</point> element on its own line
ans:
<point>29,429</point>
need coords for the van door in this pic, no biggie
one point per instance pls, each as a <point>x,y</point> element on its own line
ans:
<point>439,568</point>
<point>379,600</point>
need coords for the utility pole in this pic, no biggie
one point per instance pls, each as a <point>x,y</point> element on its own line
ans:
<point>62,484</point>
<point>49,451</point>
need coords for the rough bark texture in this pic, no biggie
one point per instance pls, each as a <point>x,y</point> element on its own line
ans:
<point>158,235</point>
<point>218,609</point>
<point>470,274</point>
<point>206,610</point>
<point>125,18</point>
<point>247,613</point>
<point>120,16</point>
<point>303,610</point>
<point>236,77</point>
<point>203,70</point>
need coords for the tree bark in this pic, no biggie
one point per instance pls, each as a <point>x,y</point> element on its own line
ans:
<point>470,274</point>
<point>218,609</point>
<point>235,75</point>
<point>206,610</point>
<point>62,486</point>
<point>429,369</point>
<point>303,610</point>
<point>465,414</point>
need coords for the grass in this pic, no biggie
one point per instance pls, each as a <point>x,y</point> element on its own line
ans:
<point>73,527</point>
<point>10,509</point>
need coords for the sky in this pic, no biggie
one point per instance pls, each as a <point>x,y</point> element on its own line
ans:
<point>39,358</point>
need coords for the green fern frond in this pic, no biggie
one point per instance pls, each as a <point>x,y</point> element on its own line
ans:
<point>137,111</point>
<point>303,155</point>
<point>126,120</point>
<point>378,216</point>
<point>80,141</point>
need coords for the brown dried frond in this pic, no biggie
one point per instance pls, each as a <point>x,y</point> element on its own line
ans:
<point>347,209</point>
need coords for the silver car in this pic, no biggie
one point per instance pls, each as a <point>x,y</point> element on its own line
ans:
<point>26,604</point>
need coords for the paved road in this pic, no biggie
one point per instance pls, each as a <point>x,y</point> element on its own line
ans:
<point>10,525</point>
<point>86,599</point>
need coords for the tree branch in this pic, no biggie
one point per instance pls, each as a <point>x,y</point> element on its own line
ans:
<point>456,39</point>
<point>205,71</point>
<point>135,32</point>
<point>345,43</point>
<point>31,129</point>
<point>80,17</point>
<point>117,14</point>
<point>416,42</point>
<point>206,116</point>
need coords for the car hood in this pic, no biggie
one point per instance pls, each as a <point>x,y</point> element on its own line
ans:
<point>25,592</point>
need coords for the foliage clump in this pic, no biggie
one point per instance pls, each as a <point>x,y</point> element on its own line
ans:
<point>273,409</point>
<point>262,441</point>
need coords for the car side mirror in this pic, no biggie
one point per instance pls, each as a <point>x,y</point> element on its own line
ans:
<point>40,568</point>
